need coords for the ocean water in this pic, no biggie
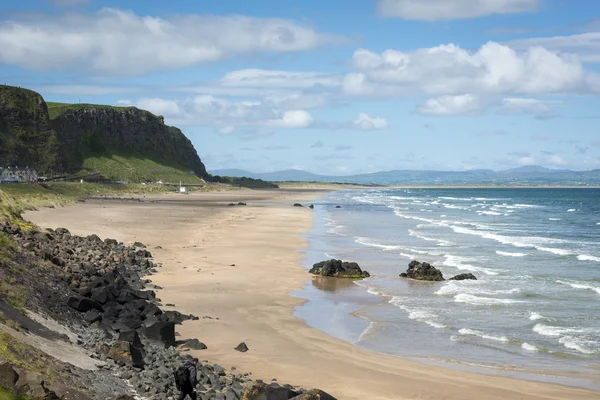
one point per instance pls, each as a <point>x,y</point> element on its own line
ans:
<point>535,306</point>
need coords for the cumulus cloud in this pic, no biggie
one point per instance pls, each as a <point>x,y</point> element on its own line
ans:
<point>433,10</point>
<point>452,105</point>
<point>556,161</point>
<point>450,70</point>
<point>367,123</point>
<point>224,114</point>
<point>540,109</point>
<point>585,45</point>
<point>118,42</point>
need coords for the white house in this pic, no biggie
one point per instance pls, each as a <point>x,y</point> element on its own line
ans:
<point>16,174</point>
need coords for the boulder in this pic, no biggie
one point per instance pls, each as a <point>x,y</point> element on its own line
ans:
<point>242,347</point>
<point>422,272</point>
<point>314,394</point>
<point>339,269</point>
<point>8,376</point>
<point>311,206</point>
<point>462,277</point>
<point>241,203</point>
<point>126,353</point>
<point>161,331</point>
<point>194,344</point>
<point>262,391</point>
<point>83,304</point>
<point>30,384</point>
<point>338,206</point>
<point>92,316</point>
<point>298,205</point>
<point>131,337</point>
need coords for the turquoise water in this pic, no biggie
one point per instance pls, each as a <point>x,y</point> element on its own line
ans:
<point>535,252</point>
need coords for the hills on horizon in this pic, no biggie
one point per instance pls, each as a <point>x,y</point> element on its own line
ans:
<point>529,174</point>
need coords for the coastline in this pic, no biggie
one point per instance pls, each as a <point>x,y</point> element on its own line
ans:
<point>251,298</point>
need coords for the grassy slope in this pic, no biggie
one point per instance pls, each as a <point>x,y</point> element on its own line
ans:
<point>119,166</point>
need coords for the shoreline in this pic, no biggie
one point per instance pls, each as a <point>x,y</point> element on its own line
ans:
<point>253,257</point>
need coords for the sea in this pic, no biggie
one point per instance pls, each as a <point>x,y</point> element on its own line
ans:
<point>533,312</point>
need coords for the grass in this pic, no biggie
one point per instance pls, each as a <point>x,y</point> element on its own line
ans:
<point>132,168</point>
<point>6,395</point>
<point>56,109</point>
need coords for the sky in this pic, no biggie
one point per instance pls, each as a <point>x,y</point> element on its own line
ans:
<point>332,87</point>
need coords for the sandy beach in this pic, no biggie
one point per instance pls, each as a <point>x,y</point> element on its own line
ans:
<point>234,267</point>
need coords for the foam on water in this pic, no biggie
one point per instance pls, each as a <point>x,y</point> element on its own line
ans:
<point>535,316</point>
<point>575,344</point>
<point>368,242</point>
<point>554,219</point>
<point>424,315</point>
<point>579,285</point>
<point>472,332</point>
<point>488,213</point>
<point>459,262</point>
<point>483,301</point>
<point>571,210</point>
<point>507,254</point>
<point>585,257</point>
<point>528,347</point>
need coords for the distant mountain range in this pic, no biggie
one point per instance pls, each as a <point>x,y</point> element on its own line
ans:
<point>527,175</point>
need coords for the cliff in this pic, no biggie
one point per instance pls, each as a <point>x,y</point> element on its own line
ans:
<point>26,134</point>
<point>72,138</point>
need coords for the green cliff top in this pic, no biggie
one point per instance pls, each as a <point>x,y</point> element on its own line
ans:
<point>56,109</point>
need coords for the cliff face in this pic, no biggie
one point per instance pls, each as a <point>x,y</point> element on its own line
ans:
<point>59,141</point>
<point>26,135</point>
<point>90,129</point>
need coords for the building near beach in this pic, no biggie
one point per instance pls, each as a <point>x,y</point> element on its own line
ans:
<point>20,175</point>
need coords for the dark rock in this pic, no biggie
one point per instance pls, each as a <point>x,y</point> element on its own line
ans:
<point>30,384</point>
<point>242,347</point>
<point>298,205</point>
<point>314,394</point>
<point>194,344</point>
<point>261,391</point>
<point>139,244</point>
<point>241,204</point>
<point>126,353</point>
<point>124,397</point>
<point>8,376</point>
<point>462,277</point>
<point>83,304</point>
<point>101,295</point>
<point>92,316</point>
<point>231,204</point>
<point>423,272</point>
<point>311,206</point>
<point>161,331</point>
<point>339,269</point>
<point>131,337</point>
<point>338,206</point>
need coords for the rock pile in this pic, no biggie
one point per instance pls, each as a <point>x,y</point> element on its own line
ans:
<point>97,288</point>
<point>339,269</point>
<point>427,272</point>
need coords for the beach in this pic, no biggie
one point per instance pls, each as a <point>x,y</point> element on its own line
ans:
<point>234,267</point>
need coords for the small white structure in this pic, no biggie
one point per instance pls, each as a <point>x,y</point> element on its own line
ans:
<point>181,188</point>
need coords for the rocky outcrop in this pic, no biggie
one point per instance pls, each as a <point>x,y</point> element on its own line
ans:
<point>27,138</point>
<point>422,272</point>
<point>339,269</point>
<point>427,272</point>
<point>462,277</point>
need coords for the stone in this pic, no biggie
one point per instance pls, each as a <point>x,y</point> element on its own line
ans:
<point>194,344</point>
<point>161,331</point>
<point>338,206</point>
<point>83,304</point>
<point>298,205</point>
<point>8,376</point>
<point>311,206</point>
<point>124,397</point>
<point>126,353</point>
<point>241,203</point>
<point>131,337</point>
<point>30,384</point>
<point>92,316</point>
<point>261,391</point>
<point>339,269</point>
<point>314,394</point>
<point>242,347</point>
<point>462,277</point>
<point>423,272</point>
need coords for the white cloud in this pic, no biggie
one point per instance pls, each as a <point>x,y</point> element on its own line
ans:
<point>433,10</point>
<point>452,105</point>
<point>585,45</point>
<point>225,115</point>
<point>367,123</point>
<point>123,102</point>
<point>539,108</point>
<point>526,160</point>
<point>448,69</point>
<point>118,42</point>
<point>556,160</point>
<point>279,79</point>
<point>292,119</point>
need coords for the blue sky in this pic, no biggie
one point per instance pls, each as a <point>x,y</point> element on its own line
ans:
<point>334,87</point>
